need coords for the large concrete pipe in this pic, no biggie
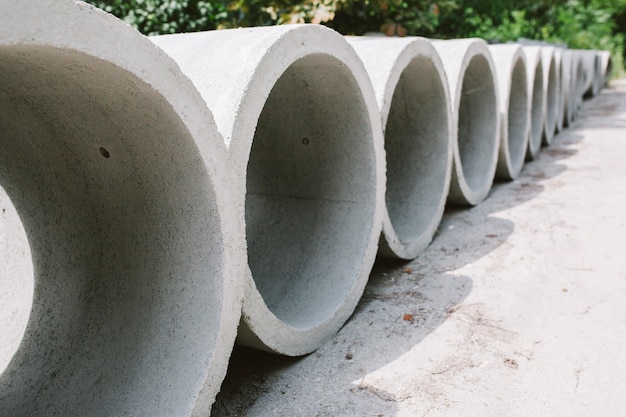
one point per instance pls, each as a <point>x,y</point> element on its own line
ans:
<point>537,93</point>
<point>551,87</point>
<point>475,118</point>
<point>606,67</point>
<point>579,80</point>
<point>412,94</point>
<point>113,163</point>
<point>299,114</point>
<point>510,63</point>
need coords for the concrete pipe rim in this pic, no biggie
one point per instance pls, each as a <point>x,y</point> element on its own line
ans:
<point>537,107</point>
<point>551,95</point>
<point>510,64</point>
<point>412,92</point>
<point>16,280</point>
<point>114,183</point>
<point>477,117</point>
<point>338,170</point>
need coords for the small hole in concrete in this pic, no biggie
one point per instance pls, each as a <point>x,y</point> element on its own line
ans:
<point>104,152</point>
<point>305,141</point>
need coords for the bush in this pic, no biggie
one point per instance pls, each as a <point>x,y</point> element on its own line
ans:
<point>582,24</point>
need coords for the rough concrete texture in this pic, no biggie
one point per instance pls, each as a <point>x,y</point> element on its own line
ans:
<point>551,85</point>
<point>534,72</point>
<point>298,112</point>
<point>475,117</point>
<point>510,63</point>
<point>516,309</point>
<point>412,94</point>
<point>112,161</point>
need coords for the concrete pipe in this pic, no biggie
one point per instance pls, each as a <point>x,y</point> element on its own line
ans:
<point>606,65</point>
<point>579,80</point>
<point>414,101</point>
<point>551,87</point>
<point>510,63</point>
<point>298,112</point>
<point>592,69</point>
<point>567,85</point>
<point>113,164</point>
<point>475,118</point>
<point>562,88</point>
<point>537,94</point>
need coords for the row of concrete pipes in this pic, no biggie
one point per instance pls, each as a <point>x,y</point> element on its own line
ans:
<point>172,194</point>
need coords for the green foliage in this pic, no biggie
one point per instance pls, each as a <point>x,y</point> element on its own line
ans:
<point>153,17</point>
<point>598,24</point>
<point>392,17</point>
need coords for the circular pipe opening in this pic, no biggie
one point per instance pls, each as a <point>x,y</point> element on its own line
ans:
<point>16,280</point>
<point>310,197</point>
<point>477,123</point>
<point>517,116</point>
<point>416,143</point>
<point>122,223</point>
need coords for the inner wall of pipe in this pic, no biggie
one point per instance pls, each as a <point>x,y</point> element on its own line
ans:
<point>310,199</point>
<point>552,100</point>
<point>536,111</point>
<point>416,142</point>
<point>518,114</point>
<point>16,280</point>
<point>121,219</point>
<point>477,122</point>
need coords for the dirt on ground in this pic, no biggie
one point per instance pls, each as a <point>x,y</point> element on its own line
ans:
<point>516,309</point>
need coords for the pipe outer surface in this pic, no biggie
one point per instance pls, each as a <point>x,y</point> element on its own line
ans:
<point>114,165</point>
<point>16,280</point>
<point>475,118</point>
<point>510,63</point>
<point>414,101</point>
<point>298,112</point>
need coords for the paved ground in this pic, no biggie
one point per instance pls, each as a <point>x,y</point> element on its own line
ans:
<point>518,307</point>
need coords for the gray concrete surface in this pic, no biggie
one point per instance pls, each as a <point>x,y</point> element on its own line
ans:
<point>412,94</point>
<point>516,309</point>
<point>114,164</point>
